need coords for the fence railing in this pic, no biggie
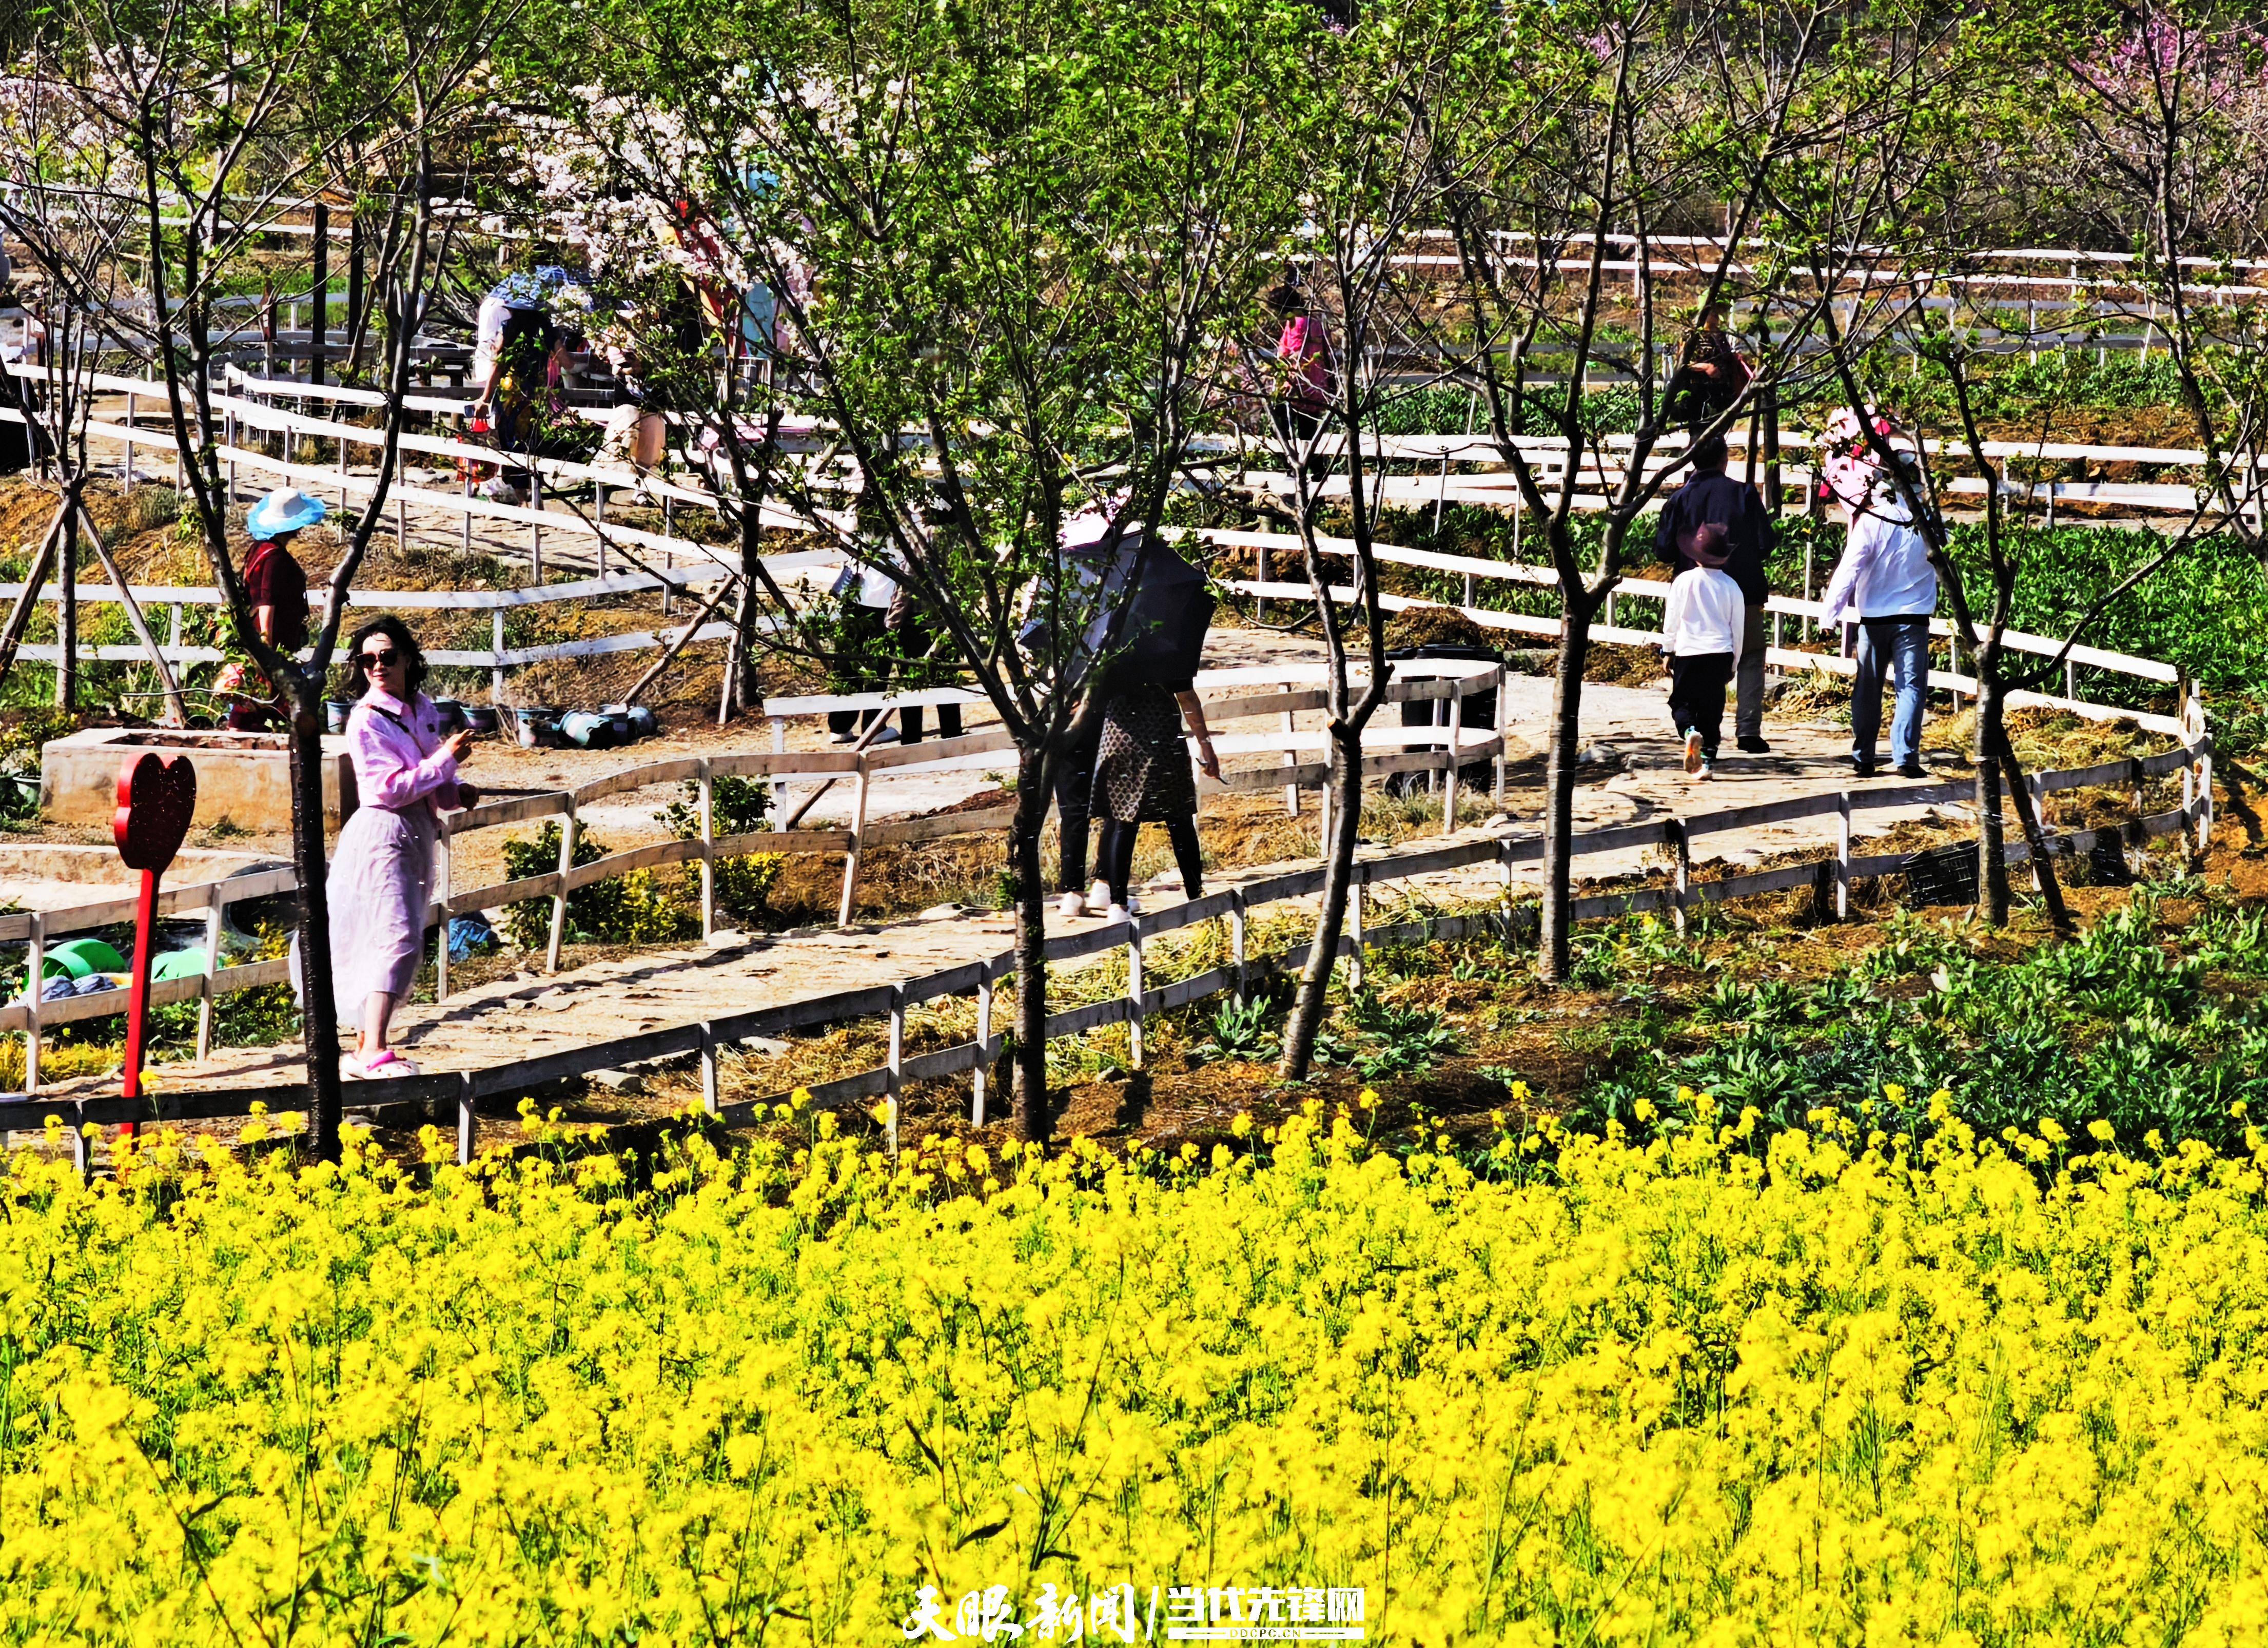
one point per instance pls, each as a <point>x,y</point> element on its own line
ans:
<point>254,407</point>
<point>1810,613</point>
<point>1831,878</point>
<point>1483,479</point>
<point>495,658</point>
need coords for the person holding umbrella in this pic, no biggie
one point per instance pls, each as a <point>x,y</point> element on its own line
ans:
<point>1067,598</point>
<point>1142,765</point>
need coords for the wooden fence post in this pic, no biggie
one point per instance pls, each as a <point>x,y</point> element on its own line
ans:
<point>857,836</point>
<point>1290,759</point>
<point>2204,747</point>
<point>2138,837</point>
<point>495,645</point>
<point>1496,748</point>
<point>1362,880</point>
<point>710,1072</point>
<point>1236,944</point>
<point>1843,854</point>
<point>708,849</point>
<point>1681,882</point>
<point>466,1124</point>
<point>2203,821</point>
<point>440,905</point>
<point>567,832</point>
<point>895,1069</point>
<point>211,965</point>
<point>35,983</point>
<point>983,1046</point>
<point>1134,993</point>
<point>1456,737</point>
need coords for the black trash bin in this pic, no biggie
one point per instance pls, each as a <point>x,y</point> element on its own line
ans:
<point>1479,710</point>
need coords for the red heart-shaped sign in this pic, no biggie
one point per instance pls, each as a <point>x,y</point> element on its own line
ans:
<point>156,797</point>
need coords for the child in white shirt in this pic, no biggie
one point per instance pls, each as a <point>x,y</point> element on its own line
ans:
<point>1701,632</point>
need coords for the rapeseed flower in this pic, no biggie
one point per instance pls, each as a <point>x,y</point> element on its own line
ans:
<point>1724,1387</point>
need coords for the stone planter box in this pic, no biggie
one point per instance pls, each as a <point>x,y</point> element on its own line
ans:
<point>245,778</point>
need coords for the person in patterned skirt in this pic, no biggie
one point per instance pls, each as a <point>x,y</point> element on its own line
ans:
<point>1142,768</point>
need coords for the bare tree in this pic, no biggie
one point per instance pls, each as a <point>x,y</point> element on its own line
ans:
<point>2167,118</point>
<point>217,119</point>
<point>1758,106</point>
<point>1375,176</point>
<point>76,234</point>
<point>1004,296</point>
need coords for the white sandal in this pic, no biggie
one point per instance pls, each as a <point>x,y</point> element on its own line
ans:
<point>387,1066</point>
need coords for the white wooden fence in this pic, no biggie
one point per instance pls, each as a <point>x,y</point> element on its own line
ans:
<point>1810,614</point>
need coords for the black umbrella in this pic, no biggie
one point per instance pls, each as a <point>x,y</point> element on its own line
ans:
<point>1166,617</point>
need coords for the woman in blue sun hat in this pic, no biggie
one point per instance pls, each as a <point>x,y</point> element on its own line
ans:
<point>275,588</point>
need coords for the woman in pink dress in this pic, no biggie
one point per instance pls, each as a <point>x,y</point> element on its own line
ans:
<point>381,879</point>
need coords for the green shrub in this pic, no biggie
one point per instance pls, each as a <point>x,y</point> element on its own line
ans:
<point>2110,1028</point>
<point>19,757</point>
<point>622,909</point>
<point>738,806</point>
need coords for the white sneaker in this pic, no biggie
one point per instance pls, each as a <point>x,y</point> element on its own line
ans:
<point>1098,897</point>
<point>888,735</point>
<point>1122,912</point>
<point>1071,905</point>
<point>1706,772</point>
<point>1693,761</point>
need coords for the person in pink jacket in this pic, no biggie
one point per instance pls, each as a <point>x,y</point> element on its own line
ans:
<point>381,879</point>
<point>1303,376</point>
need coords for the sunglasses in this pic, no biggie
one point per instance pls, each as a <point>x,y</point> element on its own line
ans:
<point>386,659</point>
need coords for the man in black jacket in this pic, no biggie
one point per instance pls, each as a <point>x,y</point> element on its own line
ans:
<point>1710,496</point>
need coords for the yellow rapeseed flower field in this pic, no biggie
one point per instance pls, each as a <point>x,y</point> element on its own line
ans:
<point>1822,1389</point>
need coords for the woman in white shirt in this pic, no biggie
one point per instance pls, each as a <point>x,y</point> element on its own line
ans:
<point>1886,582</point>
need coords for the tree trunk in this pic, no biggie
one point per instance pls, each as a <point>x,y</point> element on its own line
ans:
<point>745,689</point>
<point>319,1003</point>
<point>1032,1120</point>
<point>19,617</point>
<point>1773,501</point>
<point>1992,845</point>
<point>1306,1019</point>
<point>67,608</point>
<point>2036,838</point>
<point>1551,953</point>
